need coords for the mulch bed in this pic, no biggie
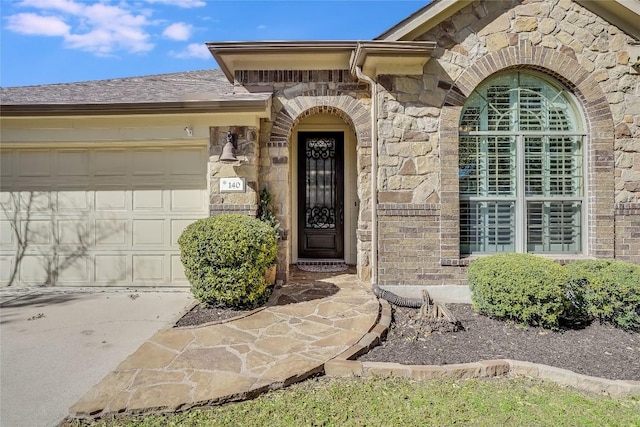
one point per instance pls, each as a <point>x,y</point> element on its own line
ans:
<point>202,314</point>
<point>596,349</point>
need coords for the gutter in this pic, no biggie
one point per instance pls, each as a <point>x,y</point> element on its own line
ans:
<point>179,107</point>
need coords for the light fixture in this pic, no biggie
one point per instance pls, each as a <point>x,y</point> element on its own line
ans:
<point>188,131</point>
<point>229,149</point>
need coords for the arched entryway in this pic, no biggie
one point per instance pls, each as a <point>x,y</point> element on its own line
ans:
<point>325,205</point>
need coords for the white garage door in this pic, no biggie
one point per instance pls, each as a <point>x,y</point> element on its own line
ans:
<point>110,217</point>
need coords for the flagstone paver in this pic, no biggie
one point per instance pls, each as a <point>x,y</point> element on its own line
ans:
<point>312,319</point>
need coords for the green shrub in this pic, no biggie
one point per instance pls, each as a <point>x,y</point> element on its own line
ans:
<point>607,290</point>
<point>525,288</point>
<point>225,258</point>
<point>267,212</point>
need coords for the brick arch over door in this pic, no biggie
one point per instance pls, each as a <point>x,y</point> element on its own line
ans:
<point>294,110</point>
<point>599,142</point>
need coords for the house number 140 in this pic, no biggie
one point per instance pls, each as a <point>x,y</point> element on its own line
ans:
<point>232,185</point>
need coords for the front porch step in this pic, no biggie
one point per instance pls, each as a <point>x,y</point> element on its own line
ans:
<point>322,265</point>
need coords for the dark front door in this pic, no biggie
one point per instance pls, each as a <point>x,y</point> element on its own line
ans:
<point>320,194</point>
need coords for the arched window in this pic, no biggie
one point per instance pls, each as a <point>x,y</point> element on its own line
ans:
<point>521,168</point>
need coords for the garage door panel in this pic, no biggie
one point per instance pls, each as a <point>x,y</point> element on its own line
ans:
<point>177,227</point>
<point>111,268</point>
<point>148,268</point>
<point>148,232</point>
<point>186,162</point>
<point>148,162</point>
<point>110,232</point>
<point>110,163</point>
<point>38,232</point>
<point>75,232</point>
<point>111,200</point>
<point>73,200</point>
<point>7,236</point>
<point>6,164</point>
<point>148,199</point>
<point>34,163</point>
<point>35,201</point>
<point>177,270</point>
<point>73,269</point>
<point>33,268</point>
<point>6,266</point>
<point>187,200</point>
<point>73,163</point>
<point>9,201</point>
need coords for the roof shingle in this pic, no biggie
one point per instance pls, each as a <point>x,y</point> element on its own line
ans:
<point>202,85</point>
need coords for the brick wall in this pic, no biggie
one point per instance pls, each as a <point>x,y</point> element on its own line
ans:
<point>628,232</point>
<point>409,246</point>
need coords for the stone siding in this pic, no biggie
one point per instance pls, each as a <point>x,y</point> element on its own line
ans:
<point>419,119</point>
<point>246,167</point>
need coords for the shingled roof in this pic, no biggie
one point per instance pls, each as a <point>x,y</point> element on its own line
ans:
<point>179,90</point>
<point>154,88</point>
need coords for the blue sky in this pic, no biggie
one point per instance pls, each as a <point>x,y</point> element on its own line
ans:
<point>59,41</point>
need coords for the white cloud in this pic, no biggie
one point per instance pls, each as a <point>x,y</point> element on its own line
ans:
<point>194,50</point>
<point>36,25</point>
<point>67,6</point>
<point>178,31</point>
<point>185,4</point>
<point>262,27</point>
<point>99,28</point>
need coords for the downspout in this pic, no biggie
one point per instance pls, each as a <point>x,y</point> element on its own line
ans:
<point>377,290</point>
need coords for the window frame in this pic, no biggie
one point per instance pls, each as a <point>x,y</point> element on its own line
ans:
<point>520,199</point>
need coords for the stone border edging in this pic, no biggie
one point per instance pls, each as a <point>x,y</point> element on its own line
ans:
<point>343,365</point>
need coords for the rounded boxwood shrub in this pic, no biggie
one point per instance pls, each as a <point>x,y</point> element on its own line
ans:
<point>225,258</point>
<point>607,290</point>
<point>522,287</point>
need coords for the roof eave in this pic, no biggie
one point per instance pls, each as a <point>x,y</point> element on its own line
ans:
<point>260,107</point>
<point>267,53</point>
<point>423,20</point>
<point>391,57</point>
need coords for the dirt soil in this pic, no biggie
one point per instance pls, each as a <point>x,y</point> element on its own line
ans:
<point>597,350</point>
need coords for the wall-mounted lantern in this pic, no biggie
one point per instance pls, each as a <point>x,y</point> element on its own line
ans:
<point>229,149</point>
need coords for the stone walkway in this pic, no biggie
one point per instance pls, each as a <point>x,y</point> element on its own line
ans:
<point>309,321</point>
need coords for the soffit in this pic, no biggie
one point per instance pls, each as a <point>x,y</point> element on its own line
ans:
<point>383,57</point>
<point>281,55</point>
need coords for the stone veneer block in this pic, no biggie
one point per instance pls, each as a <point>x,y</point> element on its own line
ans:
<point>428,372</point>
<point>461,371</point>
<point>523,368</point>
<point>352,352</point>
<point>369,340</point>
<point>385,369</point>
<point>343,368</point>
<point>494,368</point>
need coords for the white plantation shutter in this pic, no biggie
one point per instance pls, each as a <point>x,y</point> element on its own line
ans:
<point>521,169</point>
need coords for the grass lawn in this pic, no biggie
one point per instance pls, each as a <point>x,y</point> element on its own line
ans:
<point>400,402</point>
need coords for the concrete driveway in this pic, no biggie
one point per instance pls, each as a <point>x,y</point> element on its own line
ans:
<point>55,344</point>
